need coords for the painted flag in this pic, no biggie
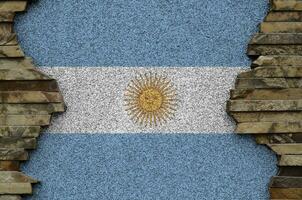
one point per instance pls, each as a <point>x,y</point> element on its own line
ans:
<point>146,83</point>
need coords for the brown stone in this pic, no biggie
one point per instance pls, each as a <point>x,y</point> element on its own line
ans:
<point>10,63</point>
<point>7,16</point>
<point>15,188</point>
<point>257,50</point>
<point>286,5</point>
<point>19,131</point>
<point>263,105</point>
<point>13,6</point>
<point>267,94</point>
<point>269,127</point>
<point>277,39</point>
<point>15,177</point>
<point>268,83</point>
<point>13,154</point>
<point>273,72</point>
<point>290,160</point>
<point>279,60</point>
<point>290,171</point>
<point>294,16</point>
<point>11,52</point>
<point>31,109</point>
<point>47,86</point>
<point>266,116</point>
<point>9,39</point>
<point>24,120</point>
<point>286,182</point>
<point>10,197</point>
<point>292,149</point>
<point>30,97</point>
<point>25,143</point>
<point>281,27</point>
<point>286,193</point>
<point>278,138</point>
<point>22,74</point>
<point>9,166</point>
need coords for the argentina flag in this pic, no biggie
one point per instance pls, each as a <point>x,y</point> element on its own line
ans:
<point>145,84</point>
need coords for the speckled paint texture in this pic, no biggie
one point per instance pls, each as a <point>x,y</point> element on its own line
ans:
<point>139,32</point>
<point>95,99</point>
<point>93,151</point>
<point>149,167</point>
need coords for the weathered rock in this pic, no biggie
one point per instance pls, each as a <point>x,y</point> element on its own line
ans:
<point>8,39</point>
<point>286,182</point>
<point>267,94</point>
<point>279,60</point>
<point>292,149</point>
<point>11,52</point>
<point>15,177</point>
<point>257,50</point>
<point>24,143</point>
<point>24,120</point>
<point>47,86</point>
<point>277,39</point>
<point>10,63</point>
<point>281,27</point>
<point>13,154</point>
<point>268,83</point>
<point>290,160</point>
<point>266,116</point>
<point>268,139</point>
<point>284,16</point>
<point>13,6</point>
<point>264,105</point>
<point>22,74</point>
<point>19,131</point>
<point>10,197</point>
<point>15,188</point>
<point>7,16</point>
<point>269,127</point>
<point>9,166</point>
<point>286,5</point>
<point>6,28</point>
<point>273,72</point>
<point>31,109</point>
<point>290,171</point>
<point>285,193</point>
<point>30,97</point>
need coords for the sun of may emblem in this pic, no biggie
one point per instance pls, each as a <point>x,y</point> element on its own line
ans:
<point>150,99</point>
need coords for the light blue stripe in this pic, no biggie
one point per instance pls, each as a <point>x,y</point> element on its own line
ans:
<point>151,167</point>
<point>139,32</point>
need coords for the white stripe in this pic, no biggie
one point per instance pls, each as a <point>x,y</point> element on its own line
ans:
<point>94,96</point>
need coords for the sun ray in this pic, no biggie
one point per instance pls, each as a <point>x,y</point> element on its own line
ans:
<point>150,99</point>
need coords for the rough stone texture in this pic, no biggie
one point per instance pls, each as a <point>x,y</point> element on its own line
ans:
<point>28,98</point>
<point>269,127</point>
<point>283,149</point>
<point>257,50</point>
<point>286,182</point>
<point>291,160</point>
<point>267,94</point>
<point>273,72</point>
<point>287,5</point>
<point>285,193</point>
<point>281,27</point>
<point>15,188</point>
<point>277,38</point>
<point>10,197</point>
<point>284,17</point>
<point>278,60</point>
<point>266,101</point>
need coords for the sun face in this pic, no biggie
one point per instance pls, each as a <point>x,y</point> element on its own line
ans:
<point>150,99</point>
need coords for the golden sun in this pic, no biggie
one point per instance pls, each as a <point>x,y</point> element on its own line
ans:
<point>150,99</point>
